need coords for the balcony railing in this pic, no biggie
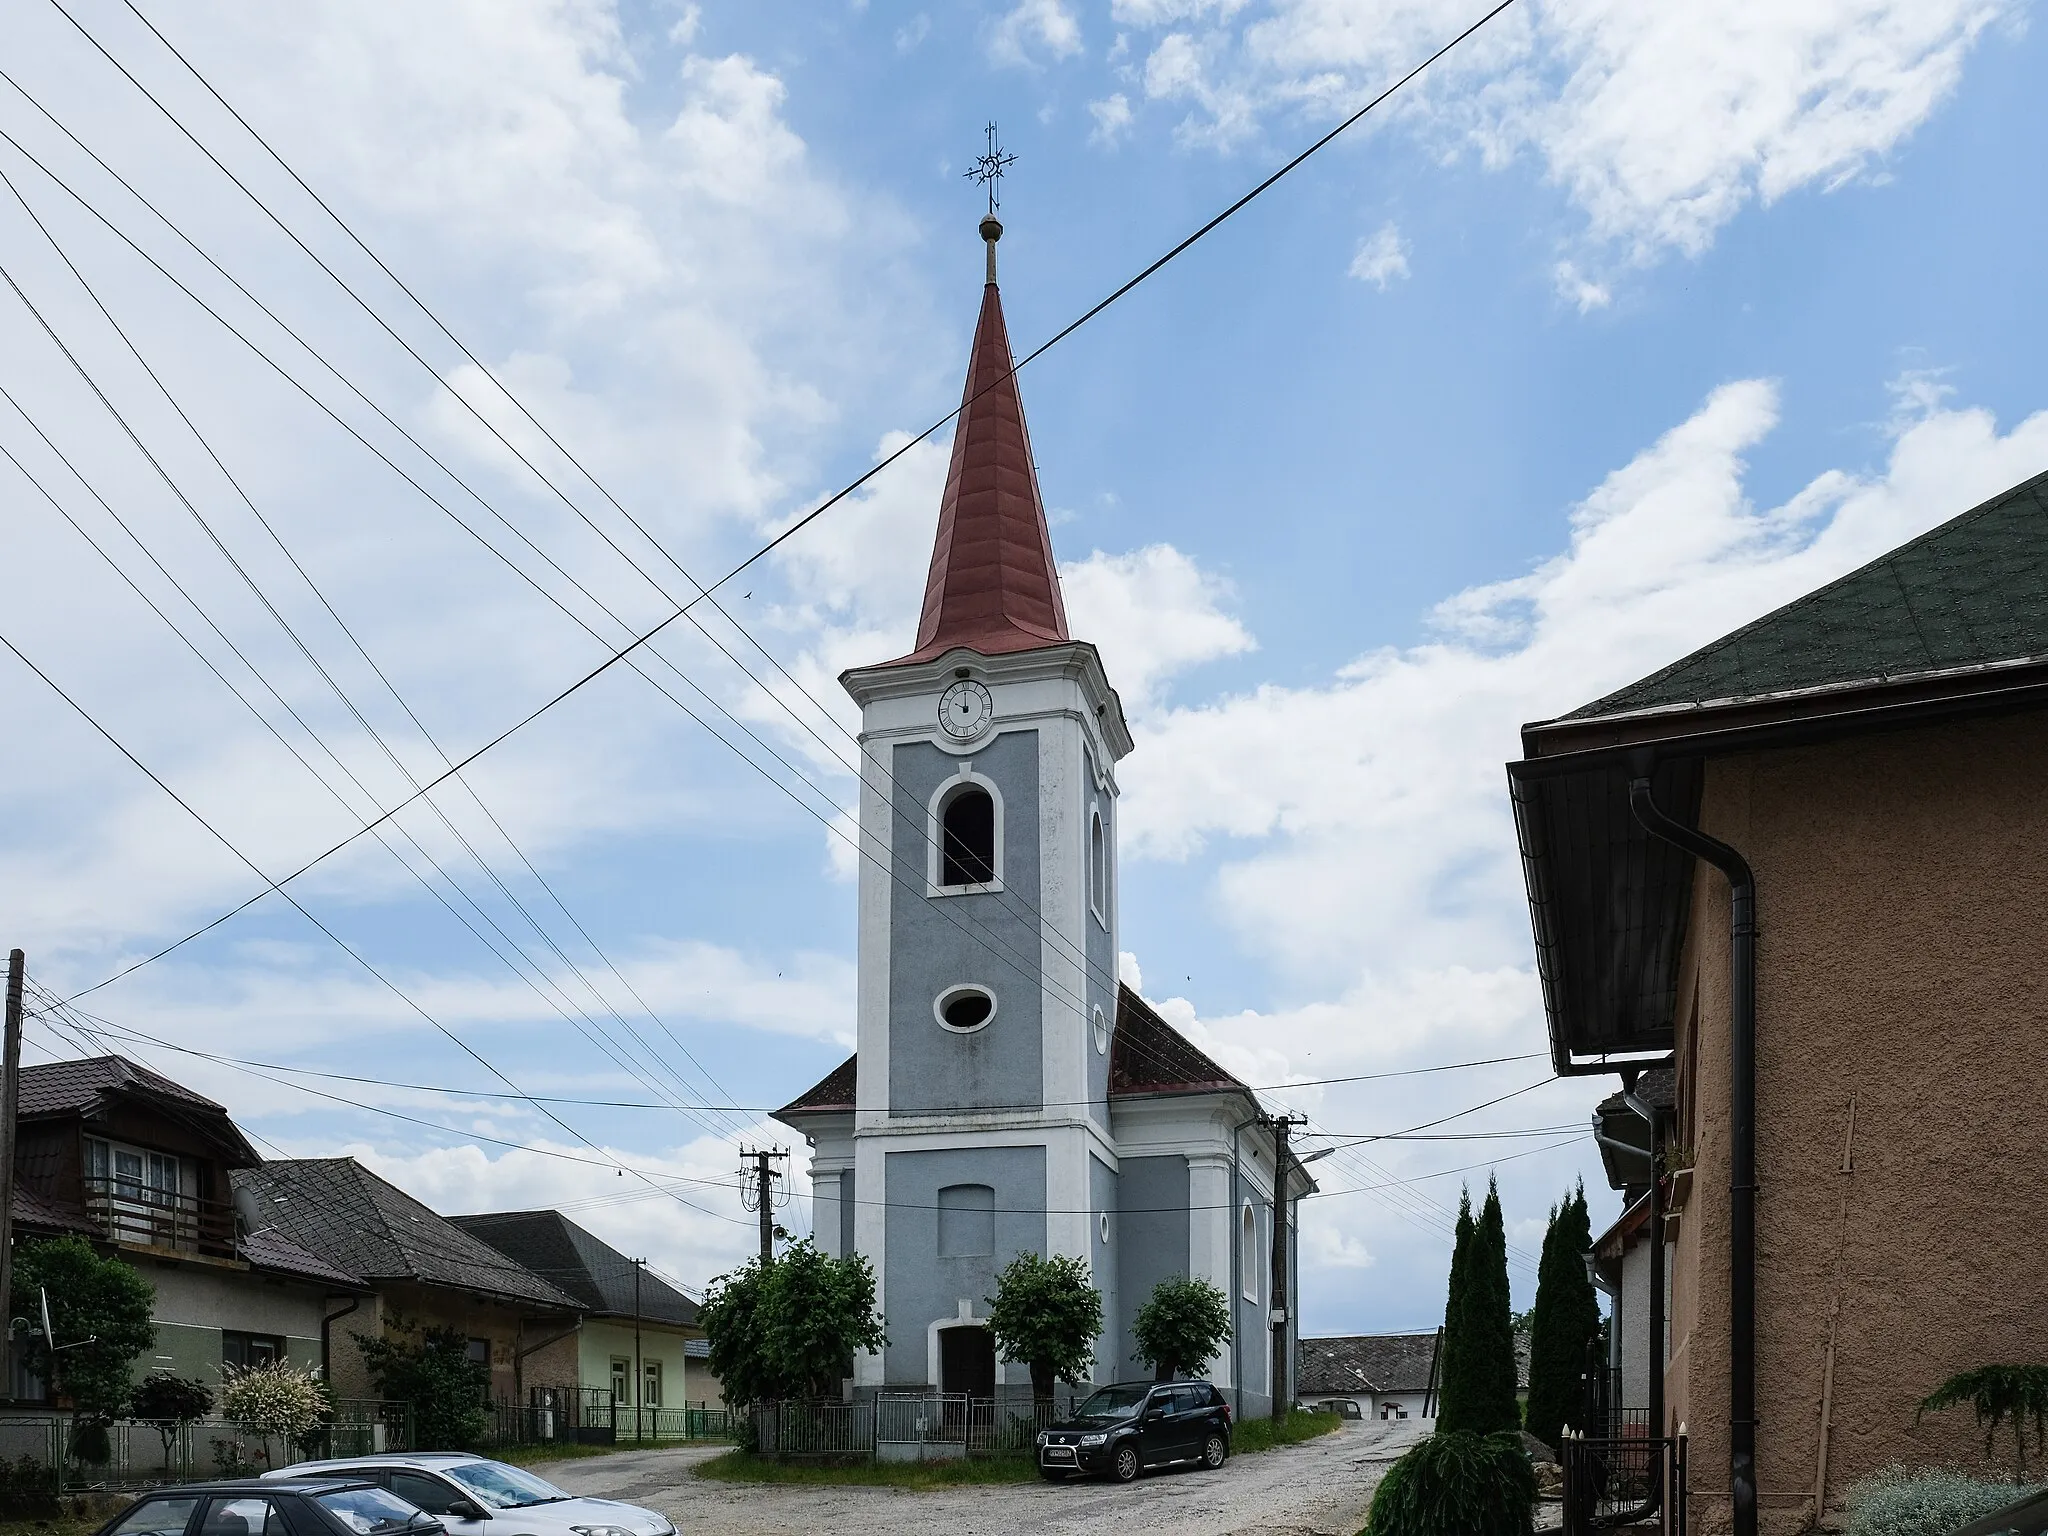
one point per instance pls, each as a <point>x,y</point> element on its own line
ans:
<point>127,1212</point>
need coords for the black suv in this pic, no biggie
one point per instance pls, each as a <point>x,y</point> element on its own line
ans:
<point>329,1506</point>
<point>1125,1428</point>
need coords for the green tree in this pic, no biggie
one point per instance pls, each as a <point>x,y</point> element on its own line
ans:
<point>1478,1365</point>
<point>168,1403</point>
<point>731,1319</point>
<point>94,1298</point>
<point>787,1327</point>
<point>1046,1312</point>
<point>1564,1324</point>
<point>1181,1326</point>
<point>431,1369</point>
<point>817,1312</point>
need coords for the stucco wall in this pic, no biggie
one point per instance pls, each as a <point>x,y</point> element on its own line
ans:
<point>1112,1361</point>
<point>194,1302</point>
<point>1632,1322</point>
<point>602,1338</point>
<point>1902,883</point>
<point>507,1328</point>
<point>920,1286</point>
<point>1154,1228</point>
<point>990,938</point>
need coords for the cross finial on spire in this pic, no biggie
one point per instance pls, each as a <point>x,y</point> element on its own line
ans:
<point>988,170</point>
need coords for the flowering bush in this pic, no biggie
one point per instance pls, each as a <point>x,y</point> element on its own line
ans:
<point>272,1400</point>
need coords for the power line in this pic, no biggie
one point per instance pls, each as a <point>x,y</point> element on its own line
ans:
<point>838,496</point>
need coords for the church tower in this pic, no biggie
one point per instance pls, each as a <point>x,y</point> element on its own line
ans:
<point>1007,1095</point>
<point>987,958</point>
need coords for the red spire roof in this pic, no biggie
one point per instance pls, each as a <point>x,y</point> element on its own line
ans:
<point>992,586</point>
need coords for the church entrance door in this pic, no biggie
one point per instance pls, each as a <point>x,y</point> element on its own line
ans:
<point>967,1362</point>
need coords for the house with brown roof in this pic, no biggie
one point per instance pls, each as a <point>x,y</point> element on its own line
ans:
<point>418,1269</point>
<point>640,1349</point>
<point>142,1168</point>
<point>1806,868</point>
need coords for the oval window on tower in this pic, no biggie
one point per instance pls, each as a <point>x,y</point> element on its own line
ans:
<point>964,1009</point>
<point>1101,1026</point>
<point>1098,870</point>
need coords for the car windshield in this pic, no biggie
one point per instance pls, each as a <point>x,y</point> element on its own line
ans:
<point>368,1510</point>
<point>1112,1403</point>
<point>501,1487</point>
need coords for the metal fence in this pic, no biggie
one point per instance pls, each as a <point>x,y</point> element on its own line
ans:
<point>907,1426</point>
<point>142,1453</point>
<point>563,1417</point>
<point>1631,1480</point>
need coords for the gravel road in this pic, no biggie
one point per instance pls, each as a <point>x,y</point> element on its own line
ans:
<point>1321,1488</point>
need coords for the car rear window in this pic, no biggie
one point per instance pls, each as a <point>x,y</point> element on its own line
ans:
<point>365,1510</point>
<point>157,1517</point>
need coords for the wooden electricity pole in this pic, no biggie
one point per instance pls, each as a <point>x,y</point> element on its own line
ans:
<point>10,1100</point>
<point>1278,1381</point>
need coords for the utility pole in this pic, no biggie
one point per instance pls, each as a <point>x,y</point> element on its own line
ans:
<point>639,1370</point>
<point>10,1100</point>
<point>1280,1124</point>
<point>760,1195</point>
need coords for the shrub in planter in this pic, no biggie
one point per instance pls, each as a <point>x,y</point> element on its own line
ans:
<point>1922,1501</point>
<point>1457,1485</point>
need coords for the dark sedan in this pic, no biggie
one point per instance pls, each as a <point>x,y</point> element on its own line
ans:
<point>1123,1429</point>
<point>248,1507</point>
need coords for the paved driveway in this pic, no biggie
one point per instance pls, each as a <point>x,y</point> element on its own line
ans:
<point>1322,1488</point>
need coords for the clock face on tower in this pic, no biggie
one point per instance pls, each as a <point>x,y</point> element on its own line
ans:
<point>965,710</point>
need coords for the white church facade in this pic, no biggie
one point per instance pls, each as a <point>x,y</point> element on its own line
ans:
<point>1008,1094</point>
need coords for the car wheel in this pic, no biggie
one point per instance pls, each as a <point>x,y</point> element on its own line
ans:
<point>1124,1466</point>
<point>1214,1450</point>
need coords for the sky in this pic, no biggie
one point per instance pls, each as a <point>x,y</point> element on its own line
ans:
<point>1621,326</point>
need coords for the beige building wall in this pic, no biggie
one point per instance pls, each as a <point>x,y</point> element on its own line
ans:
<point>196,1298</point>
<point>509,1329</point>
<point>1902,903</point>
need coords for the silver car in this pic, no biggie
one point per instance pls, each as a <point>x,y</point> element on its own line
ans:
<point>473,1496</point>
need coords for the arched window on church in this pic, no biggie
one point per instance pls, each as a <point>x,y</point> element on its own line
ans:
<point>1098,869</point>
<point>967,837</point>
<point>1248,1253</point>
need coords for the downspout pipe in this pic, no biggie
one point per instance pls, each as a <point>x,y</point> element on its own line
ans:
<point>1741,1139</point>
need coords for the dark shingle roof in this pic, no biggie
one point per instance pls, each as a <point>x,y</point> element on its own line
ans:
<point>269,1249</point>
<point>829,1095</point>
<point>57,1089</point>
<point>1148,1055</point>
<point>339,1211</point>
<point>1366,1362</point>
<point>1971,593</point>
<point>588,1268</point>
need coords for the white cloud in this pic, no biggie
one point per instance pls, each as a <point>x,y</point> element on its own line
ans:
<point>913,32</point>
<point>1031,28</point>
<point>1153,614</point>
<point>1660,122</point>
<point>1112,117</point>
<point>1382,258</point>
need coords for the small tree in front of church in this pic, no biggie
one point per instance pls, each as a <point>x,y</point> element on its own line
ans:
<point>1180,1328</point>
<point>1046,1313</point>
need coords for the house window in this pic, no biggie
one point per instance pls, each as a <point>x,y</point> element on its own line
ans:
<point>650,1381</point>
<point>1098,869</point>
<point>480,1352</point>
<point>1100,1023</point>
<point>622,1379</point>
<point>967,1221</point>
<point>1248,1253</point>
<point>249,1351</point>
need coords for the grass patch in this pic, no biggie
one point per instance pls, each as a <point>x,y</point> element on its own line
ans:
<point>1262,1434</point>
<point>68,1523</point>
<point>745,1467</point>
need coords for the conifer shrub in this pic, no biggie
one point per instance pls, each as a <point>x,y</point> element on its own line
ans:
<point>1470,1485</point>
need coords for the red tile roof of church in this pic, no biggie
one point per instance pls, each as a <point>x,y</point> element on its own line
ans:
<point>992,586</point>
